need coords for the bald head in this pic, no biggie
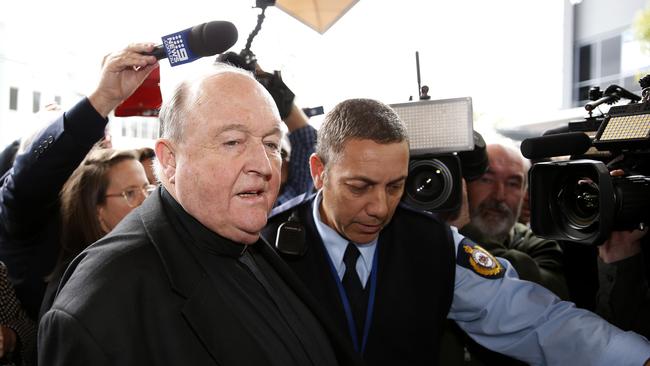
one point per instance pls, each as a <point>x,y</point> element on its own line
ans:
<point>187,94</point>
<point>495,198</point>
<point>219,153</point>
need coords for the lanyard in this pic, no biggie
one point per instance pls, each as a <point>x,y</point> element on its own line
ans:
<point>348,309</point>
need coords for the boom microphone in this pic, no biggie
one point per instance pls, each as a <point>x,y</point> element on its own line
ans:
<point>205,39</point>
<point>571,143</point>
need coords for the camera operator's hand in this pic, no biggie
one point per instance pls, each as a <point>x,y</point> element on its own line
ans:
<point>122,74</point>
<point>282,95</point>
<point>621,244</point>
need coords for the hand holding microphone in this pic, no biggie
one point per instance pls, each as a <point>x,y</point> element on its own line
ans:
<point>122,74</point>
<point>124,71</point>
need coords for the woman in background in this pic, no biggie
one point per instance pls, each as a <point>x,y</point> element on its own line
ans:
<point>105,187</point>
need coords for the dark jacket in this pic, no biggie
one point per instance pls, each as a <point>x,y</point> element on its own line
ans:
<point>7,156</point>
<point>415,282</point>
<point>29,200</point>
<point>139,297</point>
<point>624,296</point>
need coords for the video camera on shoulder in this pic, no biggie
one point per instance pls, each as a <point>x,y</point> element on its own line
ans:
<point>443,149</point>
<point>578,200</point>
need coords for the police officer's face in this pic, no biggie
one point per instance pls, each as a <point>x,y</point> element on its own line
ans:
<point>362,187</point>
<point>495,198</point>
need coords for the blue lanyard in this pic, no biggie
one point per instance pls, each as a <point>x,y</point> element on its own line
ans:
<point>346,303</point>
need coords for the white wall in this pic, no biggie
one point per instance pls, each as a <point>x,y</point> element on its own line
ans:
<point>596,17</point>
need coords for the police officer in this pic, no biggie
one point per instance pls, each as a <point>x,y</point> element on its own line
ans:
<point>390,275</point>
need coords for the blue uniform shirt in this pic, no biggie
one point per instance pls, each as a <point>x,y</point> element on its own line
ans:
<point>515,317</point>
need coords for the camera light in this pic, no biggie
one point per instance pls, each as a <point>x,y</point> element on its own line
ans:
<point>438,126</point>
<point>626,128</point>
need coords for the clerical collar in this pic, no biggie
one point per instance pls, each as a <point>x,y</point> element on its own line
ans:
<point>197,233</point>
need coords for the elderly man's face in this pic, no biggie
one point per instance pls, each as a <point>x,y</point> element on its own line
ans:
<point>227,171</point>
<point>362,188</point>
<point>495,198</point>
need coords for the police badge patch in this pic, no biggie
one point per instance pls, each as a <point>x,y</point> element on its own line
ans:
<point>479,260</point>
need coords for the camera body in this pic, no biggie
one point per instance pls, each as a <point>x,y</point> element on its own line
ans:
<point>578,200</point>
<point>440,132</point>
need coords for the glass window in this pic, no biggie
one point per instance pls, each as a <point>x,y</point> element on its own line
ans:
<point>583,94</point>
<point>144,128</point>
<point>584,63</point>
<point>36,101</point>
<point>133,128</point>
<point>13,99</point>
<point>631,83</point>
<point>610,56</point>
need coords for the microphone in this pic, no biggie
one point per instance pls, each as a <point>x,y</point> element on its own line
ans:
<point>609,99</point>
<point>202,40</point>
<point>571,143</point>
<point>612,94</point>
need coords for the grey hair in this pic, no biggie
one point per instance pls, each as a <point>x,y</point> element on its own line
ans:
<point>174,111</point>
<point>363,119</point>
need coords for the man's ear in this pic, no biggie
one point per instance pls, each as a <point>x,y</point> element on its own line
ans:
<point>317,169</point>
<point>165,153</point>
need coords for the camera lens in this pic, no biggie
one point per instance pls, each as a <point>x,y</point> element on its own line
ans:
<point>429,183</point>
<point>579,203</point>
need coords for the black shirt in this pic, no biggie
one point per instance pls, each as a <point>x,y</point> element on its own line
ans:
<point>286,331</point>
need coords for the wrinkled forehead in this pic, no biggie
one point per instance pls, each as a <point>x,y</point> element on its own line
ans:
<point>505,158</point>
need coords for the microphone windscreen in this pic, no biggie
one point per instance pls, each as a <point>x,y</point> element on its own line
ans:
<point>210,38</point>
<point>572,143</point>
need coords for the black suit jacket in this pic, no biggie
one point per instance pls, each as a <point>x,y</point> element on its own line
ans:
<point>139,297</point>
<point>415,282</point>
<point>29,200</point>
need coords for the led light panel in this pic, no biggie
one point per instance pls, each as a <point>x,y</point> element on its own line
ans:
<point>627,127</point>
<point>438,126</point>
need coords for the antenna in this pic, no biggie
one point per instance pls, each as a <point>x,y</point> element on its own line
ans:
<point>417,67</point>
<point>423,90</point>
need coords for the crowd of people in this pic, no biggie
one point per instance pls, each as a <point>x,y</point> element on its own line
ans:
<point>177,254</point>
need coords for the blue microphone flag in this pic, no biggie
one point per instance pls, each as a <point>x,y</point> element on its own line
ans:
<point>178,49</point>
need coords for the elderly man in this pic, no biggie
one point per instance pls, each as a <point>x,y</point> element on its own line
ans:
<point>185,279</point>
<point>390,275</point>
<point>495,201</point>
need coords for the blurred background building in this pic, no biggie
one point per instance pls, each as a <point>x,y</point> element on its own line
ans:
<point>527,65</point>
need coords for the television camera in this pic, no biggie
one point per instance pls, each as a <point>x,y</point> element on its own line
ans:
<point>578,200</point>
<point>443,149</point>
